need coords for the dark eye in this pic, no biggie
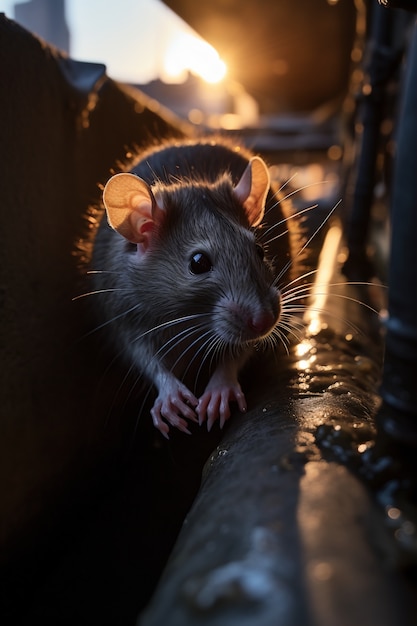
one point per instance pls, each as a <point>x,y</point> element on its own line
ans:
<point>200,263</point>
<point>260,251</point>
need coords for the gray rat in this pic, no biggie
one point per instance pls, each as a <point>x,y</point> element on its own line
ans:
<point>188,290</point>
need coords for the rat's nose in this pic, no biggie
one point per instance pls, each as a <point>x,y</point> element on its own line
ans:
<point>262,322</point>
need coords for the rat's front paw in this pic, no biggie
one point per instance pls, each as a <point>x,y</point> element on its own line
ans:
<point>214,403</point>
<point>174,403</point>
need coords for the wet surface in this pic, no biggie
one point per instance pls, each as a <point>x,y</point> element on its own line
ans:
<point>338,362</point>
<point>344,372</point>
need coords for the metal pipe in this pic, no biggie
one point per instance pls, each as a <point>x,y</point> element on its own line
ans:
<point>398,415</point>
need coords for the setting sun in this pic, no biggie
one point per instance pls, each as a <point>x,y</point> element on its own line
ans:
<point>187,52</point>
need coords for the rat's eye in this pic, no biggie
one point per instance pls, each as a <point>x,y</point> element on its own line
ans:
<point>200,263</point>
<point>260,251</point>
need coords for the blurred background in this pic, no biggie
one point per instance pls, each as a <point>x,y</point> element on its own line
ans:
<point>227,63</point>
<point>277,74</point>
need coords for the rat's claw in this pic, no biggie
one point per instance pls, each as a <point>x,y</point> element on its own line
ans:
<point>185,409</point>
<point>158,421</point>
<point>214,404</point>
<point>241,401</point>
<point>178,423</point>
<point>172,406</point>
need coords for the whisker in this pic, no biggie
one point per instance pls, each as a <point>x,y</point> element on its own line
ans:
<point>305,290</point>
<point>324,312</point>
<point>307,243</point>
<point>284,289</point>
<point>350,299</point>
<point>292,193</point>
<point>129,393</point>
<point>107,322</point>
<point>215,348</point>
<point>277,192</point>
<point>280,338</point>
<point>290,317</point>
<point>175,340</point>
<point>177,320</point>
<point>147,332</point>
<point>293,329</point>
<point>346,322</point>
<point>97,291</point>
<point>287,182</point>
<point>283,221</point>
<point>165,325</point>
<point>218,350</point>
<point>187,349</point>
<point>209,347</point>
<point>102,272</point>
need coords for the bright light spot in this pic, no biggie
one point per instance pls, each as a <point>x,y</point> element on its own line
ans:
<point>320,291</point>
<point>315,325</point>
<point>303,347</point>
<point>187,52</point>
<point>393,513</point>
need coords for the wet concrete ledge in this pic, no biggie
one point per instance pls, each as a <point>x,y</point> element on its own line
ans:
<point>280,534</point>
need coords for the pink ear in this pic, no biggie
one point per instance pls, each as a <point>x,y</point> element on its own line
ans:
<point>252,189</point>
<point>130,207</point>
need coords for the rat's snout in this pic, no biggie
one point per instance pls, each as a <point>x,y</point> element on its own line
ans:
<point>240,322</point>
<point>261,323</point>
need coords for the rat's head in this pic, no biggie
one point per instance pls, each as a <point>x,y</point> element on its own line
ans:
<point>196,242</point>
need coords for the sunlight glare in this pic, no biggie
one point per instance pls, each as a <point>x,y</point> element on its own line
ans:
<point>320,291</point>
<point>187,52</point>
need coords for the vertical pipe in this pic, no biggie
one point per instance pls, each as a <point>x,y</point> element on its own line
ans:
<point>378,69</point>
<point>398,415</point>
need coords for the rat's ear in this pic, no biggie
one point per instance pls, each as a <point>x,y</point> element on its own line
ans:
<point>252,189</point>
<point>131,207</point>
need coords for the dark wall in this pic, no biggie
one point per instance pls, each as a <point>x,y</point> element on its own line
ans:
<point>64,125</point>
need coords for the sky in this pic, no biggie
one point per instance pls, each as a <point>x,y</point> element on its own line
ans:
<point>138,40</point>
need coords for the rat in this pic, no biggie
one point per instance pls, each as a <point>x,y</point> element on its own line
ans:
<point>188,288</point>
